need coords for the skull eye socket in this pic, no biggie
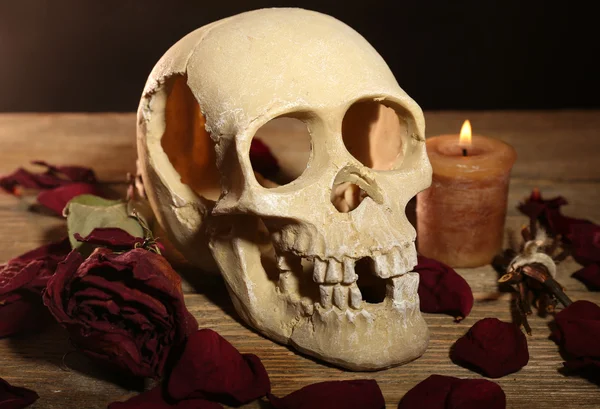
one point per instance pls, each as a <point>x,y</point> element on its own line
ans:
<point>280,151</point>
<point>375,135</point>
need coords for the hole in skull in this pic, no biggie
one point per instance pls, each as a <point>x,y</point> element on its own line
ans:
<point>185,140</point>
<point>347,196</point>
<point>280,151</point>
<point>372,288</point>
<point>374,134</point>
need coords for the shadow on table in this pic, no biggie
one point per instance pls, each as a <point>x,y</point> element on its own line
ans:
<point>52,345</point>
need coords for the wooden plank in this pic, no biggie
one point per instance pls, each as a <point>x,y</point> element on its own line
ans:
<point>557,153</point>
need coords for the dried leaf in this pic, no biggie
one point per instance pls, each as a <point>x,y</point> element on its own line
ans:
<point>87,212</point>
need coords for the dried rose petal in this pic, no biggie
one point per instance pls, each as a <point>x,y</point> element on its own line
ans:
<point>73,173</point>
<point>56,199</point>
<point>582,235</point>
<point>112,237</point>
<point>31,270</point>
<point>262,159</point>
<point>154,399</point>
<point>443,290</point>
<point>53,177</point>
<point>22,280</point>
<point>212,368</point>
<point>585,243</point>
<point>13,397</point>
<point>447,392</point>
<point>492,347</point>
<point>125,309</point>
<point>577,332</point>
<point>28,180</point>
<point>20,312</point>
<point>59,184</point>
<point>548,213</point>
<point>590,276</point>
<point>355,394</point>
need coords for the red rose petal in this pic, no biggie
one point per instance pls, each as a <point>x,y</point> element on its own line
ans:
<point>22,280</point>
<point>582,235</point>
<point>262,159</point>
<point>28,180</point>
<point>154,399</point>
<point>585,243</point>
<point>56,199</point>
<point>59,184</point>
<point>19,313</point>
<point>53,177</point>
<point>442,290</point>
<point>74,173</point>
<point>577,332</point>
<point>212,368</point>
<point>492,347</point>
<point>31,270</point>
<point>590,276</point>
<point>447,392</point>
<point>13,397</point>
<point>355,394</point>
<point>110,237</point>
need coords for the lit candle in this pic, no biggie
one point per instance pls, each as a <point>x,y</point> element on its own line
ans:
<point>460,218</point>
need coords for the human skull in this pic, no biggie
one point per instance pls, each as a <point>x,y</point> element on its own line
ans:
<point>290,254</point>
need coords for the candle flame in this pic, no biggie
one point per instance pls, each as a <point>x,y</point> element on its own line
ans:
<point>465,135</point>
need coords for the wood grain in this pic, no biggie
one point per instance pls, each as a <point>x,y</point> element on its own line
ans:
<point>557,153</point>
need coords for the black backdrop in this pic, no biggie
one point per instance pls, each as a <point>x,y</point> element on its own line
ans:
<point>95,55</point>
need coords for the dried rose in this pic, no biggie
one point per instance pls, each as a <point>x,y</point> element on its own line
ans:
<point>577,332</point>
<point>59,184</point>
<point>13,397</point>
<point>443,290</point>
<point>447,392</point>
<point>262,159</point>
<point>355,394</point>
<point>126,309</point>
<point>492,347</point>
<point>212,368</point>
<point>22,280</point>
<point>590,276</point>
<point>155,399</point>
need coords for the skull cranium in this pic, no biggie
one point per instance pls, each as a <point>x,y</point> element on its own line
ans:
<point>290,253</point>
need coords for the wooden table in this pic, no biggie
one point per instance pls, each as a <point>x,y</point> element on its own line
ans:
<point>558,152</point>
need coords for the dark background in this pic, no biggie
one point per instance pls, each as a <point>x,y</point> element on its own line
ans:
<point>95,55</point>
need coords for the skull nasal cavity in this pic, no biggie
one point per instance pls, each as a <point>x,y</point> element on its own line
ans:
<point>347,196</point>
<point>374,134</point>
<point>280,151</point>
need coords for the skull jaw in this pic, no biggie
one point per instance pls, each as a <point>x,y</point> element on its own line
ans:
<point>376,337</point>
<point>360,342</point>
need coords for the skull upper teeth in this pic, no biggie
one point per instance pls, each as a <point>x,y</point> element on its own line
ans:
<point>337,280</point>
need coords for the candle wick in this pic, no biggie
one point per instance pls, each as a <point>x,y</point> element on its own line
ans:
<point>464,151</point>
